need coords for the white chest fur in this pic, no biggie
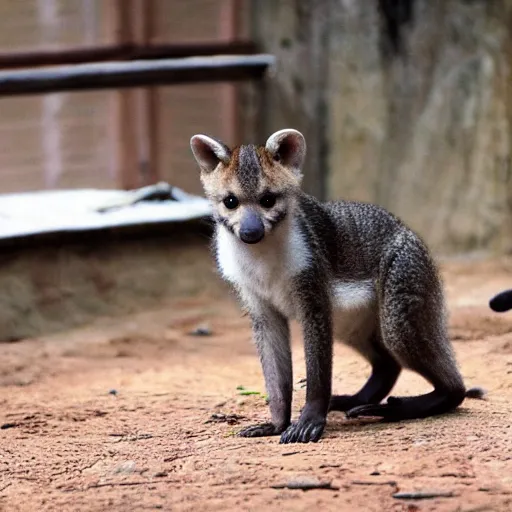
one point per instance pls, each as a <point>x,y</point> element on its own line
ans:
<point>264,269</point>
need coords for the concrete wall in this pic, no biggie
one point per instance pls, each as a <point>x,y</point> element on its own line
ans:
<point>56,284</point>
<point>409,107</point>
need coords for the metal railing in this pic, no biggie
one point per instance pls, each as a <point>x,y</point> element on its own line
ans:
<point>138,73</point>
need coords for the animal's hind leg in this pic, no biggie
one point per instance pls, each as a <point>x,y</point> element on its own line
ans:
<point>441,372</point>
<point>385,372</point>
<point>413,330</point>
<point>358,327</point>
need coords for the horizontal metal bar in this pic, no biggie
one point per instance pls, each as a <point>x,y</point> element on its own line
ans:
<point>140,73</point>
<point>83,55</point>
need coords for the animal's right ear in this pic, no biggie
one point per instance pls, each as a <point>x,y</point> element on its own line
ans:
<point>209,152</point>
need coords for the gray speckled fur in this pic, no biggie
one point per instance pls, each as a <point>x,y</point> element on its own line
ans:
<point>358,241</point>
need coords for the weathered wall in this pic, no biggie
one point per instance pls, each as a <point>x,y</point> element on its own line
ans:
<point>406,103</point>
<point>56,285</point>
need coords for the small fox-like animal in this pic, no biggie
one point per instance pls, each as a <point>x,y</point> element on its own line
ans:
<point>341,268</point>
<point>501,302</point>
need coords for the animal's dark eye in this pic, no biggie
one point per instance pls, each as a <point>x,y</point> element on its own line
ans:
<point>230,202</point>
<point>268,200</point>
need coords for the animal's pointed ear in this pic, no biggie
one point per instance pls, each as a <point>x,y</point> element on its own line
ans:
<point>209,152</point>
<point>287,147</point>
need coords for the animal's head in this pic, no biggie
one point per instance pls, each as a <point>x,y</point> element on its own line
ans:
<point>252,188</point>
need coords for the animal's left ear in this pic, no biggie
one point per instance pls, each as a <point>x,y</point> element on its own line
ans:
<point>287,147</point>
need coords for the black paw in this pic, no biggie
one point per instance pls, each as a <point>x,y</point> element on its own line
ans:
<point>304,431</point>
<point>261,430</point>
<point>371,410</point>
<point>394,410</point>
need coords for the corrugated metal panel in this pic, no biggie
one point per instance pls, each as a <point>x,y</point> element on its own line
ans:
<point>186,110</point>
<point>58,140</point>
<point>187,20</point>
<point>68,23</point>
<point>70,140</point>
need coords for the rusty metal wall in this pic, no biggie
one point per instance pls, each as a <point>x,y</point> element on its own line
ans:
<point>189,109</point>
<point>57,140</point>
<point>71,140</point>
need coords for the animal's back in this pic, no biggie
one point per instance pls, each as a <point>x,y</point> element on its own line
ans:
<point>353,237</point>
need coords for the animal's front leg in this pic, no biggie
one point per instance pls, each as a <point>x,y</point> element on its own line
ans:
<point>272,337</point>
<point>316,318</point>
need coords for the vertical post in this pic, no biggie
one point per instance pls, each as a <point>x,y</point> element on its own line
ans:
<point>120,18</point>
<point>51,133</point>
<point>228,32</point>
<point>148,98</point>
<point>109,27</point>
<point>260,93</point>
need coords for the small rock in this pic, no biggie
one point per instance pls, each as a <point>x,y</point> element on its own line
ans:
<point>8,425</point>
<point>306,484</point>
<point>230,419</point>
<point>202,330</point>
<point>422,495</point>
<point>160,474</point>
<point>126,468</point>
<point>113,392</point>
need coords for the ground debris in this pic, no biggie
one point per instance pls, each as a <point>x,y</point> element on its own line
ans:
<point>306,484</point>
<point>392,483</point>
<point>202,330</point>
<point>127,437</point>
<point>423,495</point>
<point>302,383</point>
<point>5,426</point>
<point>230,419</point>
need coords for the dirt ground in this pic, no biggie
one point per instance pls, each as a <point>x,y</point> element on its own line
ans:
<point>134,413</point>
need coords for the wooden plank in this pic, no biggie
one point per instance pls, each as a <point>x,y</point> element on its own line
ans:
<point>118,75</point>
<point>122,52</point>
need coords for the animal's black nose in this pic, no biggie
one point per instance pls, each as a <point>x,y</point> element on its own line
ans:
<point>251,237</point>
<point>251,229</point>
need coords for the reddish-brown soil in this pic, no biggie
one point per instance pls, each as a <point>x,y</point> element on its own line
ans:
<point>120,415</point>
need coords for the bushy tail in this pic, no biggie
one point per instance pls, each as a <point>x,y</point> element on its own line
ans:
<point>501,302</point>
